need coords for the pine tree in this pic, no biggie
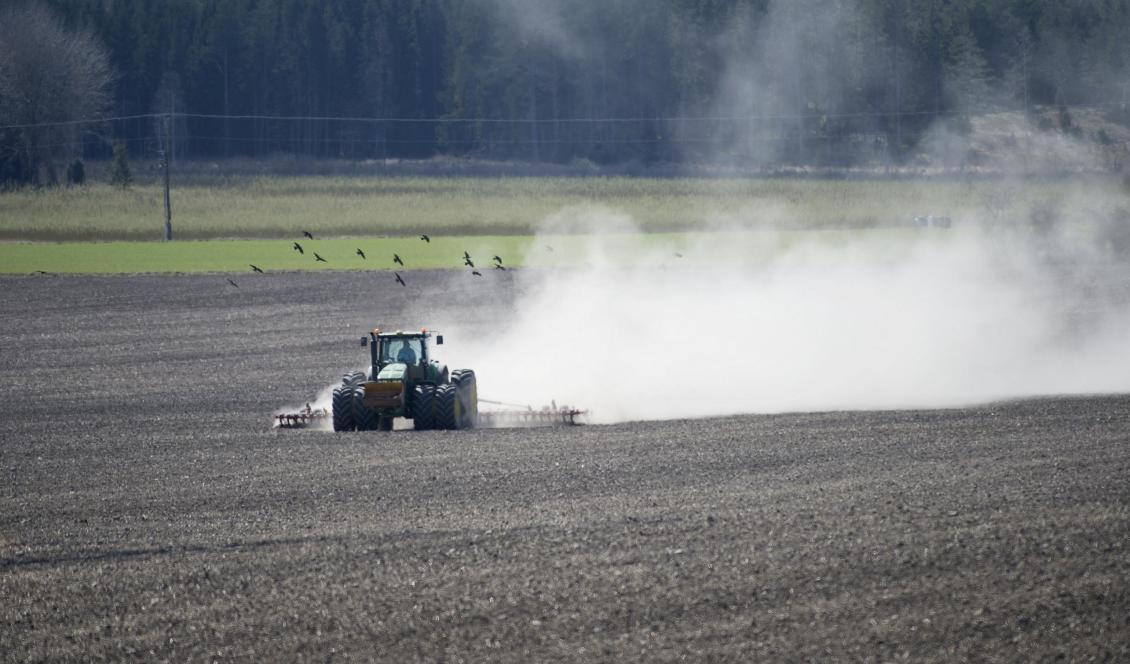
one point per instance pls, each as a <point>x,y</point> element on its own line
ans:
<point>119,170</point>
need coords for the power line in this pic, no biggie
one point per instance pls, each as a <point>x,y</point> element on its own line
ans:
<point>528,121</point>
<point>71,123</point>
<point>474,142</point>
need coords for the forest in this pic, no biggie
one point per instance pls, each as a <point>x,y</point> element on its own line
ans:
<point>748,81</point>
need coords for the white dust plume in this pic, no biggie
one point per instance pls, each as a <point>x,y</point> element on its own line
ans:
<point>746,323</point>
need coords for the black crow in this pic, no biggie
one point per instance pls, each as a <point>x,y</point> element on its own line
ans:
<point>425,238</point>
<point>466,256</point>
<point>319,259</point>
<point>468,262</point>
<point>499,267</point>
<point>549,248</point>
<point>678,255</point>
<point>307,234</point>
<point>298,248</point>
<point>396,259</point>
<point>256,268</point>
<point>360,253</point>
<point>233,283</point>
<point>399,280</point>
<point>498,259</point>
<point>476,273</point>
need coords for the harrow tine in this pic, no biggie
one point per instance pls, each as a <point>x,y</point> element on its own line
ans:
<point>526,416</point>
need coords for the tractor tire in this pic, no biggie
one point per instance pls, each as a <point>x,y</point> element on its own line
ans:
<point>423,407</point>
<point>448,411</point>
<point>353,378</point>
<point>467,393</point>
<point>366,419</point>
<point>343,408</point>
<point>384,423</point>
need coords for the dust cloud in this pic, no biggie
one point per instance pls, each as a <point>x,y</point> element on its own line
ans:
<point>745,323</point>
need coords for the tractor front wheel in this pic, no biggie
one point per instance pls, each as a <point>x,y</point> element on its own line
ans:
<point>423,407</point>
<point>343,408</point>
<point>467,396</point>
<point>448,410</point>
<point>366,419</point>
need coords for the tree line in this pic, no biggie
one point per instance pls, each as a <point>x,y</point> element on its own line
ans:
<point>752,81</point>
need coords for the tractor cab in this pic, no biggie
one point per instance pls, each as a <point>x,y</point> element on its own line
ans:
<point>403,356</point>
<point>406,350</point>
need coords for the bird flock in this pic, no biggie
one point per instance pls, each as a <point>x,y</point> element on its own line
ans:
<point>396,259</point>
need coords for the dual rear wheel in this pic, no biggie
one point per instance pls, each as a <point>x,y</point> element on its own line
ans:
<point>453,405</point>
<point>344,418</point>
<point>465,401</point>
<point>423,407</point>
<point>349,411</point>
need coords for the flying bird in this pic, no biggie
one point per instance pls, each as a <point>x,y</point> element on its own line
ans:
<point>399,280</point>
<point>498,259</point>
<point>360,253</point>
<point>257,269</point>
<point>476,273</point>
<point>468,262</point>
<point>319,259</point>
<point>549,248</point>
<point>499,267</point>
<point>678,255</point>
<point>307,234</point>
<point>425,238</point>
<point>233,283</point>
<point>298,248</point>
<point>396,259</point>
<point>466,256</point>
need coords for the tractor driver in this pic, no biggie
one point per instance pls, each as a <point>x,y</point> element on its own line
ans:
<point>406,354</point>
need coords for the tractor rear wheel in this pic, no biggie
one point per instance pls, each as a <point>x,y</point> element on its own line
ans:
<point>366,419</point>
<point>467,394</point>
<point>423,407</point>
<point>448,411</point>
<point>343,408</point>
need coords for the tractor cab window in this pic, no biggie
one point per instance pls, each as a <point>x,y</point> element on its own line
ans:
<point>408,351</point>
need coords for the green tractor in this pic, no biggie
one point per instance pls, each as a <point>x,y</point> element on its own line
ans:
<point>403,381</point>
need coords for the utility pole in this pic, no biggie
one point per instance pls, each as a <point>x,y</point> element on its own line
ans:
<point>898,79</point>
<point>165,165</point>
<point>530,75</point>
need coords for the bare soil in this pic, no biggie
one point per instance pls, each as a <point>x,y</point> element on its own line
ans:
<point>148,512</point>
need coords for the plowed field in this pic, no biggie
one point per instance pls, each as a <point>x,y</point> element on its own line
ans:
<point>148,512</point>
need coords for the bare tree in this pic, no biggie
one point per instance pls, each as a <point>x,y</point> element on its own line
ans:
<point>53,82</point>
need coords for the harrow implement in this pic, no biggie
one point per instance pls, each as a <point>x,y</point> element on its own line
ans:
<point>300,420</point>
<point>507,415</point>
